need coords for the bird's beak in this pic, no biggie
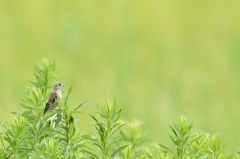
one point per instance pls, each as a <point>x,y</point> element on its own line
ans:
<point>62,85</point>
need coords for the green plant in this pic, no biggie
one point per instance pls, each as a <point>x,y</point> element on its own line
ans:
<point>134,136</point>
<point>196,145</point>
<point>31,135</point>
<point>106,128</point>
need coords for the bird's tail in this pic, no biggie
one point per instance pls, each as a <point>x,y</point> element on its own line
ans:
<point>45,110</point>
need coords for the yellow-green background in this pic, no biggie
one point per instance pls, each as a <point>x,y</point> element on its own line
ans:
<point>159,58</point>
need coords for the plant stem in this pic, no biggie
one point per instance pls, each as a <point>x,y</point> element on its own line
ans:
<point>67,132</point>
<point>67,128</point>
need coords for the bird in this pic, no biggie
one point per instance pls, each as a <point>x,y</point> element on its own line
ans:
<point>54,98</point>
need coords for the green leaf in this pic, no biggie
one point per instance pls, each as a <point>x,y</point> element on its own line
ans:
<point>82,104</point>
<point>118,150</point>
<point>68,93</point>
<point>166,149</point>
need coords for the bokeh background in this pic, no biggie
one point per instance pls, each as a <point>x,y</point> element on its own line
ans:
<point>158,58</point>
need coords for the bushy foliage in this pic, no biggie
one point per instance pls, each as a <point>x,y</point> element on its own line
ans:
<point>31,135</point>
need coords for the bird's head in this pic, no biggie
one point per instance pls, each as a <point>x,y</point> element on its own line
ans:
<point>58,86</point>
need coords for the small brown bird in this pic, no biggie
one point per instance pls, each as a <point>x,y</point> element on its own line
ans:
<point>54,97</point>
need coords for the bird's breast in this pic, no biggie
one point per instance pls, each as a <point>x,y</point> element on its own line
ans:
<point>59,97</point>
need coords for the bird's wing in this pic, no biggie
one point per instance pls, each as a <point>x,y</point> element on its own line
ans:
<point>51,100</point>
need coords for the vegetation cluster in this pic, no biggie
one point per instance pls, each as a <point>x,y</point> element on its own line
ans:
<point>31,135</point>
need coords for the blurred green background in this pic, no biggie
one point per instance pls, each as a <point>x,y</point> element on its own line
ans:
<point>158,58</point>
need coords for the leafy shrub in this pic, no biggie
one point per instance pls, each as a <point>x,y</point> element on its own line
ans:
<point>31,135</point>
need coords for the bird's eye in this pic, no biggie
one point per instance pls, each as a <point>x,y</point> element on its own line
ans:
<point>59,84</point>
